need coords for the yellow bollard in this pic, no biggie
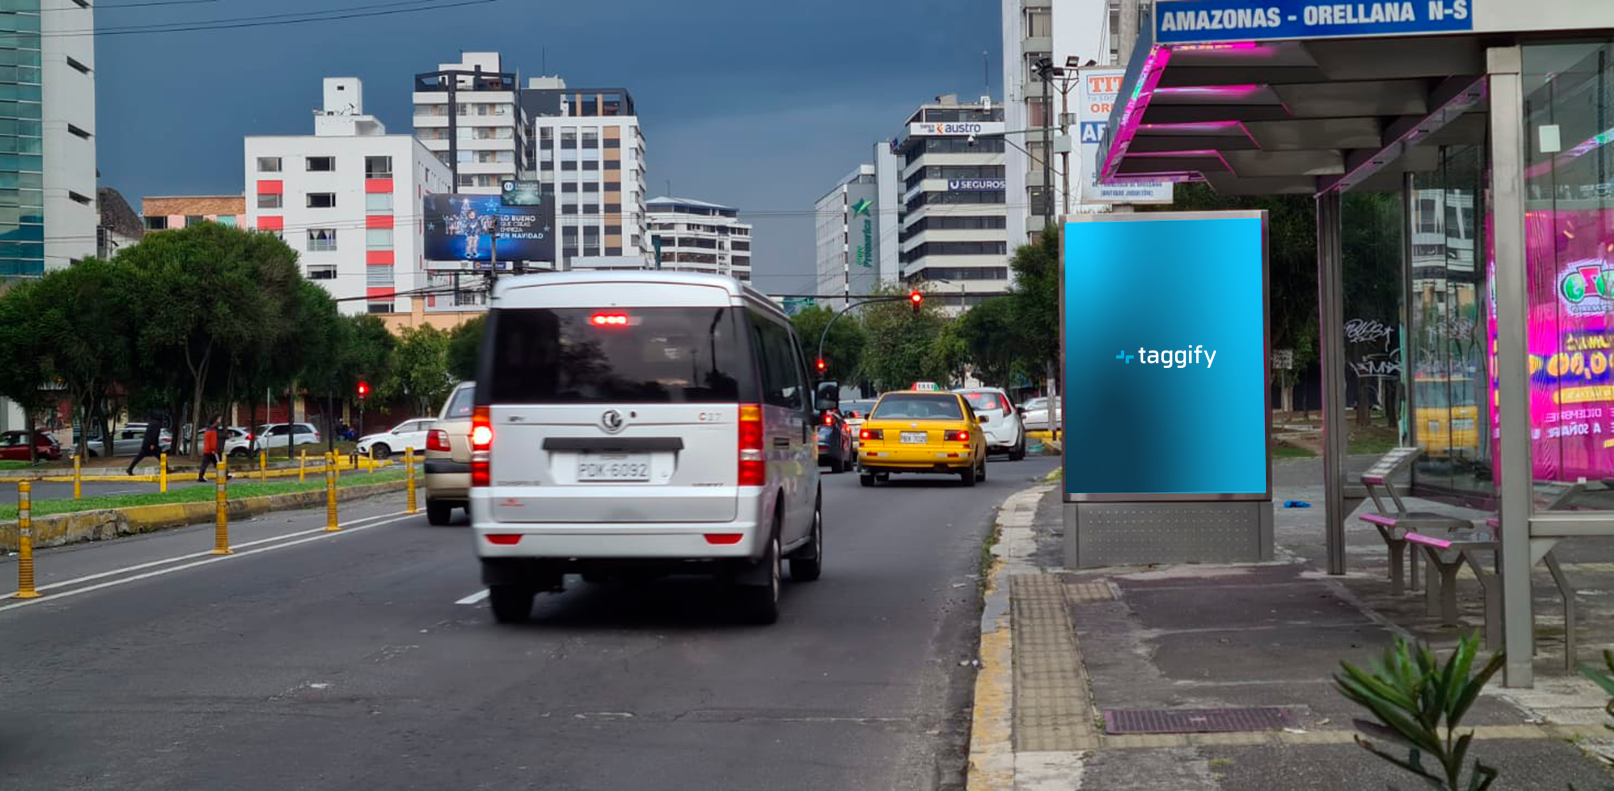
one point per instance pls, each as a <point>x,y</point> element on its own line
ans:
<point>263,466</point>
<point>302,464</point>
<point>162,472</point>
<point>409,464</point>
<point>25,544</point>
<point>78,478</point>
<point>330,493</point>
<point>371,459</point>
<point>221,512</point>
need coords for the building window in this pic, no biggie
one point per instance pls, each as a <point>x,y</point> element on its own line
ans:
<point>378,238</point>
<point>613,164</point>
<point>570,186</point>
<point>591,186</point>
<point>613,142</point>
<point>378,202</point>
<point>268,164</point>
<point>613,186</point>
<point>613,230</point>
<point>570,164</point>
<point>613,208</point>
<point>378,276</point>
<point>591,164</point>
<point>193,219</point>
<point>156,222</point>
<point>1039,22</point>
<point>465,181</point>
<point>378,167</point>
<point>321,272</point>
<point>321,240</point>
<point>321,200</point>
<point>568,140</point>
<point>269,200</point>
<point>591,139</point>
<point>570,208</point>
<point>380,307</point>
<point>321,164</point>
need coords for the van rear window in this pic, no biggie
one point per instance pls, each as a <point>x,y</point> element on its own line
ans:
<point>608,355</point>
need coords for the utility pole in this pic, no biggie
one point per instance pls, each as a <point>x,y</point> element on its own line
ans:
<point>1127,29</point>
<point>1064,132</point>
<point>1045,69</point>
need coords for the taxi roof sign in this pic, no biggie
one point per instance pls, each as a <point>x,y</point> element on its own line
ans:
<point>926,387</point>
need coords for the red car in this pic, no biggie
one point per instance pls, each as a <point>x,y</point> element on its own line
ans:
<point>14,446</point>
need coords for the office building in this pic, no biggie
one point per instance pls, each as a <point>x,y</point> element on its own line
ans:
<point>177,211</point>
<point>847,238</point>
<point>589,153</point>
<point>348,199</point>
<point>468,114</point>
<point>952,215</point>
<point>697,236</point>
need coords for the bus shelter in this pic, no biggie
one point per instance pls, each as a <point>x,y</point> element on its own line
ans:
<point>1492,121</point>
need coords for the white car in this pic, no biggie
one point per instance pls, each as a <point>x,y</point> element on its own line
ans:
<point>408,434</point>
<point>854,413</point>
<point>1035,416</point>
<point>273,435</point>
<point>999,420</point>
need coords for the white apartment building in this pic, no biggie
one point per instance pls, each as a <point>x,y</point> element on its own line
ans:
<point>847,236</point>
<point>697,236</point>
<point>469,115</point>
<point>65,89</point>
<point>348,199</point>
<point>952,218</point>
<point>589,153</point>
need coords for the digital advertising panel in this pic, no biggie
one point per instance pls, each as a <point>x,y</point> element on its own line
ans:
<point>1165,340</point>
<point>470,227</point>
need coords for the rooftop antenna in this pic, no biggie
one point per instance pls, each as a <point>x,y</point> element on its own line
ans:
<point>986,78</point>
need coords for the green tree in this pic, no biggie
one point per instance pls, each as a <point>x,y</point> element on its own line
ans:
<point>465,348</point>
<point>900,343</point>
<point>992,339</point>
<point>420,362</point>
<point>843,347</point>
<point>81,319</point>
<point>951,352</point>
<point>23,369</point>
<point>1034,305</point>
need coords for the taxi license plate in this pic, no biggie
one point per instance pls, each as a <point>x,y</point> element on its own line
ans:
<point>913,437</point>
<point>613,467</point>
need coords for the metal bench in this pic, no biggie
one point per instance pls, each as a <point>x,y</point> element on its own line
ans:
<point>1395,523</point>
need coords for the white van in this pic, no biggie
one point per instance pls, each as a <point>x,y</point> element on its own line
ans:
<point>642,422</point>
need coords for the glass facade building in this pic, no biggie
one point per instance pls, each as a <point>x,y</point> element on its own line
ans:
<point>22,197</point>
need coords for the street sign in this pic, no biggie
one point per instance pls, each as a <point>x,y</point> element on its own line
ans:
<point>1207,21</point>
<point>1283,359</point>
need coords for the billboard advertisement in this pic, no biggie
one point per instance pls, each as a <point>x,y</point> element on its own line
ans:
<point>1166,389</point>
<point>955,128</point>
<point>1095,97</point>
<point>521,193</point>
<point>483,228</point>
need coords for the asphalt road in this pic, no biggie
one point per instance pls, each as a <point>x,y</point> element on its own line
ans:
<point>332,661</point>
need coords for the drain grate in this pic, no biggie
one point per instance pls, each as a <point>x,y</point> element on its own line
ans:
<point>1265,718</point>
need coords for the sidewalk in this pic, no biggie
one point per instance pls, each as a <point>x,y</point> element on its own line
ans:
<point>1061,649</point>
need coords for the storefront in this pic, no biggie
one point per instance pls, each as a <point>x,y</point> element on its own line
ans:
<point>1462,159</point>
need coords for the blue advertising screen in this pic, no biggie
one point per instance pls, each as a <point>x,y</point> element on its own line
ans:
<point>485,228</point>
<point>1166,356</point>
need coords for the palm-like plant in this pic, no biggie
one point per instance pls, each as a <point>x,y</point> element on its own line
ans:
<point>1419,704</point>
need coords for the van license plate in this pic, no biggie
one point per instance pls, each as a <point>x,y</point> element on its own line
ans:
<point>913,437</point>
<point>613,467</point>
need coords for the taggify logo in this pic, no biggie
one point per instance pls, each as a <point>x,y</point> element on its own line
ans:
<point>1169,358</point>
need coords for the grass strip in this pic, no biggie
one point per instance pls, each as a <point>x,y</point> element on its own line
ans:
<point>194,494</point>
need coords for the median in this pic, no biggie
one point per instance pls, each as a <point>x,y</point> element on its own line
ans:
<point>66,521</point>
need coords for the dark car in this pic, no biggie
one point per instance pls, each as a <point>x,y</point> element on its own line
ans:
<point>834,443</point>
<point>14,446</point>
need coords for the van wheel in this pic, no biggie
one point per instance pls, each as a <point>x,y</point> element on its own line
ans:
<point>968,476</point>
<point>1019,452</point>
<point>762,601</point>
<point>438,512</point>
<point>981,476</point>
<point>511,603</point>
<point>808,562</point>
<point>865,479</point>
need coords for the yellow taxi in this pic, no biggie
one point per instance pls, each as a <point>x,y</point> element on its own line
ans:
<point>921,430</point>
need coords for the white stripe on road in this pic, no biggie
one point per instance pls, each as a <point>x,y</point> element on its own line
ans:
<point>474,598</point>
<point>215,559</point>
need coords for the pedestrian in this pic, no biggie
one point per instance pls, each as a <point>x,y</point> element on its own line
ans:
<point>150,443</point>
<point>213,448</point>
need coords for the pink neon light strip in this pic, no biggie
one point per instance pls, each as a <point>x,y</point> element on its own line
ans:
<point>1153,68</point>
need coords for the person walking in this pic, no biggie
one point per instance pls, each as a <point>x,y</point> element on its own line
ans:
<point>212,448</point>
<point>150,443</point>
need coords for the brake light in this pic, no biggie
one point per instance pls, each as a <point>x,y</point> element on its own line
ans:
<point>481,447</point>
<point>958,436</point>
<point>753,467</point>
<point>609,320</point>
<point>437,439</point>
<point>829,419</point>
<point>1007,407</point>
<point>504,539</point>
<point>871,433</point>
<point>724,538</point>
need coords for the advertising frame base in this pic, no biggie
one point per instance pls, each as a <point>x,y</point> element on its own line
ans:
<point>1119,534</point>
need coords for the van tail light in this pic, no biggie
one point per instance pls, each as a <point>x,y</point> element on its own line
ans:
<point>481,447</point>
<point>871,433</point>
<point>753,469</point>
<point>958,436</point>
<point>1007,407</point>
<point>829,419</point>
<point>437,439</point>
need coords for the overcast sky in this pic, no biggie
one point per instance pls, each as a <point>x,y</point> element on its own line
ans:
<point>758,105</point>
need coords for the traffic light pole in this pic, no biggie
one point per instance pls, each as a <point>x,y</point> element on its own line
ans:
<point>909,297</point>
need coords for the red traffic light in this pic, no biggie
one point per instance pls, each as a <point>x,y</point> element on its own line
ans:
<point>915,299</point>
<point>822,366</point>
<point>364,388</point>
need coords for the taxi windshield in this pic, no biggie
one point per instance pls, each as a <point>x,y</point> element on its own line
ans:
<point>918,406</point>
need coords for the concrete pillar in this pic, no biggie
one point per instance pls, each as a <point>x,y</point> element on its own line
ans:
<point>1331,343</point>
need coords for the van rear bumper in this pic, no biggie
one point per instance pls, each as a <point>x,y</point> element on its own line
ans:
<point>614,541</point>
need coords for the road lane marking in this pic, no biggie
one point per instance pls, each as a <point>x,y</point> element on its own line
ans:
<point>474,598</point>
<point>322,534</point>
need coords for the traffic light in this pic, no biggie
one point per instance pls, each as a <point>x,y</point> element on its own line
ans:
<point>915,299</point>
<point>364,389</point>
<point>822,366</point>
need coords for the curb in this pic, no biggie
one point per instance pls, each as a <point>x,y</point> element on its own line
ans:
<point>102,525</point>
<point>991,754</point>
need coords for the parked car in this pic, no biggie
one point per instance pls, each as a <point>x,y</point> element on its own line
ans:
<point>999,420</point>
<point>273,435</point>
<point>643,423</point>
<point>408,434</point>
<point>834,444</point>
<point>448,456</point>
<point>126,441</point>
<point>1035,416</point>
<point>14,446</point>
<point>238,445</point>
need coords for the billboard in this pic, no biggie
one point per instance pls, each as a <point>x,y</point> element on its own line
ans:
<point>975,185</point>
<point>1095,97</point>
<point>1166,389</point>
<point>522,193</point>
<point>470,227</point>
<point>955,128</point>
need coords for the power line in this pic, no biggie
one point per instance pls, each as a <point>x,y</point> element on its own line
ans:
<point>273,20</point>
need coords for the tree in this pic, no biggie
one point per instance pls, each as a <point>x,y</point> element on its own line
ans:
<point>420,362</point>
<point>992,339</point>
<point>22,355</point>
<point>950,351</point>
<point>843,347</point>
<point>900,344</point>
<point>1034,303</point>
<point>81,319</point>
<point>465,348</point>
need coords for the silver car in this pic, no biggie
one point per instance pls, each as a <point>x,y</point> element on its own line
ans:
<point>643,422</point>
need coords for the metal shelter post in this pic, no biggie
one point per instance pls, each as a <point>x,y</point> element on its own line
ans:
<point>1503,64</point>
<point>1331,335</point>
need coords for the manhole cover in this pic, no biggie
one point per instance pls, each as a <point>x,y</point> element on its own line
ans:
<point>1265,718</point>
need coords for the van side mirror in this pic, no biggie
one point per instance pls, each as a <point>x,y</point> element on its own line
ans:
<point>827,397</point>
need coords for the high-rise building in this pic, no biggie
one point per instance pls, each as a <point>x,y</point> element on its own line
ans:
<point>589,153</point>
<point>952,214</point>
<point>348,199</point>
<point>847,238</point>
<point>469,115</point>
<point>697,236</point>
